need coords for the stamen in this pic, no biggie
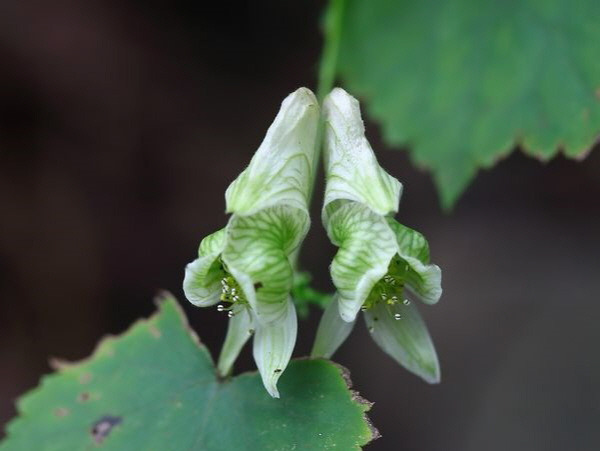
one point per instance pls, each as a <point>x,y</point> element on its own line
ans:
<point>231,293</point>
<point>390,289</point>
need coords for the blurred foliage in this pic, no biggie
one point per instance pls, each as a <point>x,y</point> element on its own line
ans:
<point>155,388</point>
<point>461,83</point>
<point>304,294</point>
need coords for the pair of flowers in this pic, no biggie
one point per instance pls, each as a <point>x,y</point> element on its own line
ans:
<point>248,266</point>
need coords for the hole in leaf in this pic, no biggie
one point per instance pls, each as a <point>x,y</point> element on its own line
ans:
<point>102,428</point>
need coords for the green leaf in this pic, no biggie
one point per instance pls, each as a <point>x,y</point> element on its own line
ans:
<point>462,82</point>
<point>154,388</point>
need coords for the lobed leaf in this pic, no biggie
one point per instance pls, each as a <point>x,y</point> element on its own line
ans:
<point>155,388</point>
<point>462,82</point>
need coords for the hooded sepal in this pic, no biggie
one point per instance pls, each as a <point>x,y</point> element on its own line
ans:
<point>351,168</point>
<point>282,169</point>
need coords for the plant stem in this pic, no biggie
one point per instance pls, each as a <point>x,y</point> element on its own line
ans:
<point>332,36</point>
<point>332,31</point>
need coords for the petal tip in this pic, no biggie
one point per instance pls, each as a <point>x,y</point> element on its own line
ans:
<point>273,392</point>
<point>434,378</point>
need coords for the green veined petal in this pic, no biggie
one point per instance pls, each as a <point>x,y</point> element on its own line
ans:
<point>281,170</point>
<point>240,329</point>
<point>257,255</point>
<point>351,168</point>
<point>201,283</point>
<point>332,331</point>
<point>410,242</point>
<point>273,346</point>
<point>366,246</point>
<point>422,279</point>
<point>406,340</point>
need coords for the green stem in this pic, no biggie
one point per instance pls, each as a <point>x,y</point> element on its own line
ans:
<point>329,58</point>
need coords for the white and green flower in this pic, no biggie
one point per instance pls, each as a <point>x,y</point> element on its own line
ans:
<point>380,264</point>
<point>247,265</point>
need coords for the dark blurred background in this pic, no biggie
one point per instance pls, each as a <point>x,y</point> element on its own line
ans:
<point>121,125</point>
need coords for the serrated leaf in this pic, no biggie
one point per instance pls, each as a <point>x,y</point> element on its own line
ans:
<point>462,82</point>
<point>154,388</point>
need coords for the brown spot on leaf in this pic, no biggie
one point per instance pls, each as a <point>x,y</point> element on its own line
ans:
<point>598,92</point>
<point>61,412</point>
<point>154,331</point>
<point>57,364</point>
<point>83,397</point>
<point>85,378</point>
<point>102,428</point>
<point>586,114</point>
<point>258,285</point>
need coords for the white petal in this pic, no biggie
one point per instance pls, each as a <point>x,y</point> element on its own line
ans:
<point>422,279</point>
<point>239,330</point>
<point>273,346</point>
<point>202,281</point>
<point>406,340</point>
<point>257,255</point>
<point>282,169</point>
<point>366,247</point>
<point>351,168</point>
<point>332,331</point>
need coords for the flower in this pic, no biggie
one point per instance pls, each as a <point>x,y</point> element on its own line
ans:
<point>246,265</point>
<point>380,263</point>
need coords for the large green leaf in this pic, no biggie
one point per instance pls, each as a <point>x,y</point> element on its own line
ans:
<point>461,82</point>
<point>154,388</point>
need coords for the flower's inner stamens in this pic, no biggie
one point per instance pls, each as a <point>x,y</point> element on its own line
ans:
<point>390,288</point>
<point>231,294</point>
